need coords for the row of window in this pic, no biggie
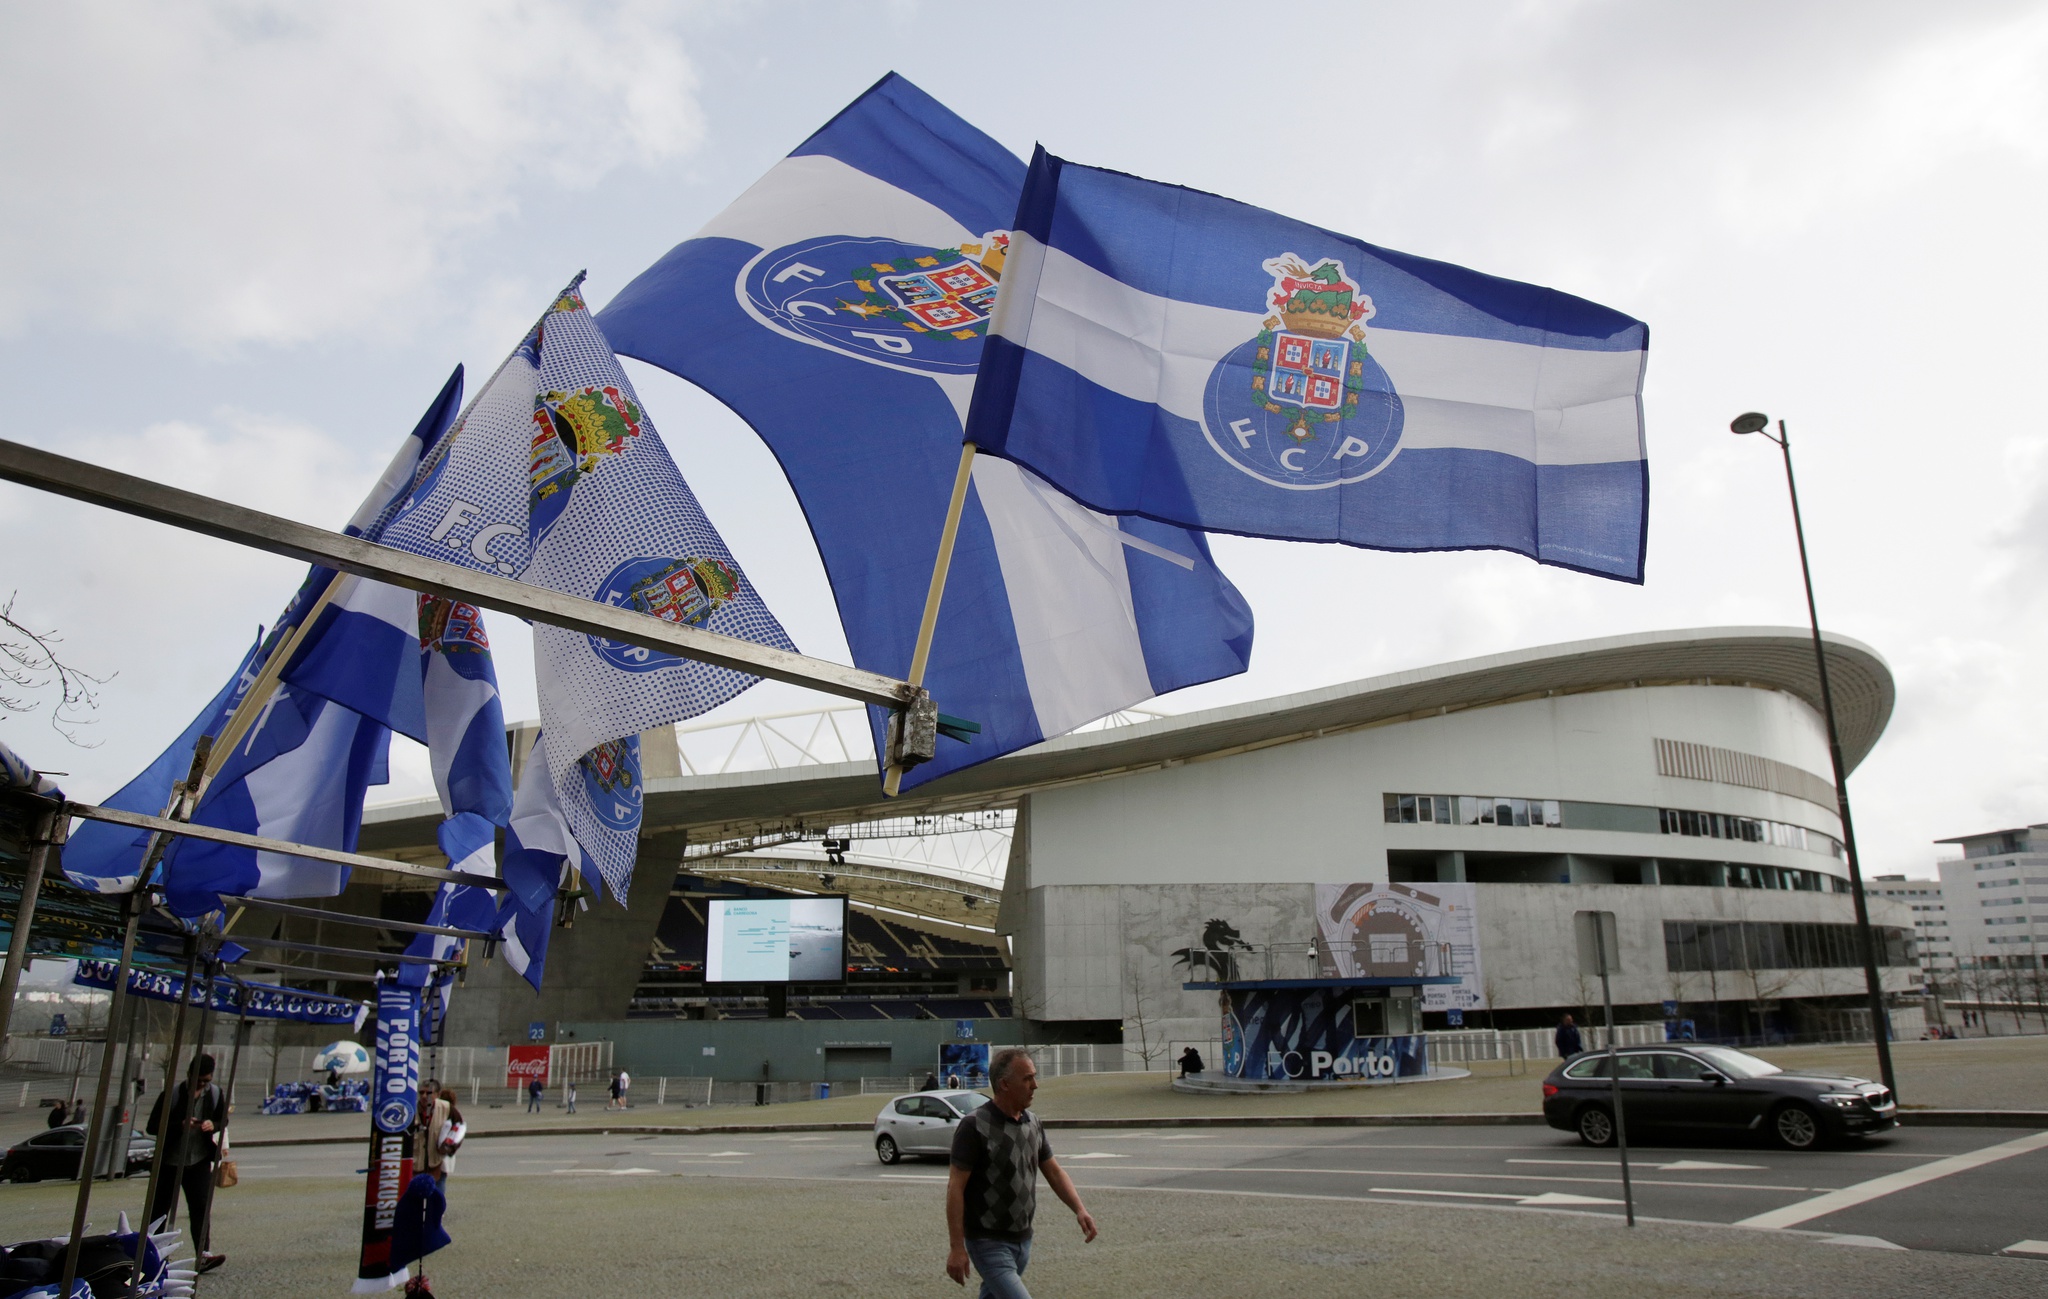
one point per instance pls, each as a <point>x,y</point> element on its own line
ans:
<point>1699,945</point>
<point>1999,884</point>
<point>2002,902</point>
<point>1469,809</point>
<point>2009,920</point>
<point>2014,938</point>
<point>1749,829</point>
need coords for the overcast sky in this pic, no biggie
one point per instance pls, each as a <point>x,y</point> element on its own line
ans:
<point>241,245</point>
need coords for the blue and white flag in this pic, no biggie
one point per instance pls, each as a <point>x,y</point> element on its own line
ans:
<point>555,475</point>
<point>1165,352</point>
<point>839,306</point>
<point>299,791</point>
<point>104,858</point>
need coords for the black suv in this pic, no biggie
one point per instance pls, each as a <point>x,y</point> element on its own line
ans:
<point>1687,1086</point>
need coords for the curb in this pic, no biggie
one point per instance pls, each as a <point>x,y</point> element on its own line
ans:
<point>1907,1118</point>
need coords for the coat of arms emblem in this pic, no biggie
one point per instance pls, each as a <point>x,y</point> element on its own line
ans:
<point>611,780</point>
<point>684,591</point>
<point>901,305</point>
<point>451,626</point>
<point>574,433</point>
<point>1303,404</point>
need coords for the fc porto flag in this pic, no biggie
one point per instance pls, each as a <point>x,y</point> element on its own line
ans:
<point>1169,353</point>
<point>556,475</point>
<point>839,306</point>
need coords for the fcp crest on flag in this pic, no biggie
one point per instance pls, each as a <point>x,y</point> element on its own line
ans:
<point>1304,405</point>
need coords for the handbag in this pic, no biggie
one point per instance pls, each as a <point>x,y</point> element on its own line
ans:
<point>225,1173</point>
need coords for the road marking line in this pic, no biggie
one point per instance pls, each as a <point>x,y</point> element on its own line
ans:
<point>910,1177</point>
<point>1678,1166</point>
<point>1463,1195</point>
<point>1096,1154</point>
<point>1878,1187</point>
<point>1865,1242</point>
<point>2027,1247</point>
<point>1481,1177</point>
<point>1543,1200</point>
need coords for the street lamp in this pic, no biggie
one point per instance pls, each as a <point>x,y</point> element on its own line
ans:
<point>1757,422</point>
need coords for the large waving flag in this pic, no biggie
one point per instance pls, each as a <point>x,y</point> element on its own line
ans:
<point>1165,352</point>
<point>555,475</point>
<point>839,306</point>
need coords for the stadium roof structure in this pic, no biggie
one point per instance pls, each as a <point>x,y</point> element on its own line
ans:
<point>698,809</point>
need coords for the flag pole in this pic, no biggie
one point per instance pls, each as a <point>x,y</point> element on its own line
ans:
<point>892,781</point>
<point>137,902</point>
<point>259,693</point>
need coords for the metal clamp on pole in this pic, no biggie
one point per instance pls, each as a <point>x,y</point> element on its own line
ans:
<point>914,733</point>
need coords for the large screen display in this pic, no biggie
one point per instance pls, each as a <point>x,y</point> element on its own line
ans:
<point>776,940</point>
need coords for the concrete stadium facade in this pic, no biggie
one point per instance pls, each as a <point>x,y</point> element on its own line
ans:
<point>1110,879</point>
<point>1676,778</point>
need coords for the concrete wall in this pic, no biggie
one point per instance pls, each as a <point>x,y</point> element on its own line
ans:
<point>1310,810</point>
<point>592,968</point>
<point>792,1049</point>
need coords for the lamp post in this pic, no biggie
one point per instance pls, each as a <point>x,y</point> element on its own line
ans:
<point>1880,1026</point>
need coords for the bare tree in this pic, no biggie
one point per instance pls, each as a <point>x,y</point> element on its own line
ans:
<point>30,665</point>
<point>1141,1019</point>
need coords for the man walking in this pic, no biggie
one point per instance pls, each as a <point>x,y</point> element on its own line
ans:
<point>535,1089</point>
<point>992,1193</point>
<point>1568,1043</point>
<point>189,1122</point>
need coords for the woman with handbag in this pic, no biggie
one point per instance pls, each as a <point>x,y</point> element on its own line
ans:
<point>441,1131</point>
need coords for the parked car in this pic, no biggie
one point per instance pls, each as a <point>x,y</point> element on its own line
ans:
<point>1682,1085</point>
<point>922,1124</point>
<point>56,1152</point>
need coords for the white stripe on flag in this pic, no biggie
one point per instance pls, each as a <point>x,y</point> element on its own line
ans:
<point>1549,405</point>
<point>815,196</point>
<point>1070,599</point>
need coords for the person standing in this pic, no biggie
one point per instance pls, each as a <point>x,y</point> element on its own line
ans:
<point>569,1092</point>
<point>535,1089</point>
<point>441,1131</point>
<point>992,1190</point>
<point>617,1092</point>
<point>189,1122</point>
<point>1568,1042</point>
<point>60,1114</point>
<point>625,1083</point>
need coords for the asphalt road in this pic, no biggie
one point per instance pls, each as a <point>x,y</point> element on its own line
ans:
<point>1968,1190</point>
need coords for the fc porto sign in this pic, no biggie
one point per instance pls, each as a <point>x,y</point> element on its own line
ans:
<point>1303,405</point>
<point>912,308</point>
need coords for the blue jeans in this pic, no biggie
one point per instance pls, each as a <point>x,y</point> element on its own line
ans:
<point>1001,1265</point>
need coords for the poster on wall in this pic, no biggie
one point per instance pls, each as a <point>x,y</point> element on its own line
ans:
<point>963,1064</point>
<point>1393,930</point>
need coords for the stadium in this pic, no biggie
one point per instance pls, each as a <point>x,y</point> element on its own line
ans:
<point>1066,894</point>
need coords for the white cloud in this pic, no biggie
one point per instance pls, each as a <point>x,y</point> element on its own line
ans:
<point>265,172</point>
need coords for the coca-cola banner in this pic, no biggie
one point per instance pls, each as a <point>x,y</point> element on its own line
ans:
<point>523,1064</point>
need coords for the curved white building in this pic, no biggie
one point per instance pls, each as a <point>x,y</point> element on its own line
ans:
<point>1675,778</point>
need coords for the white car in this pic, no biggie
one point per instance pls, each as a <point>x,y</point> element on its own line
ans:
<point>922,1123</point>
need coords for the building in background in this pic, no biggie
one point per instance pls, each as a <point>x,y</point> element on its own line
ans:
<point>1927,900</point>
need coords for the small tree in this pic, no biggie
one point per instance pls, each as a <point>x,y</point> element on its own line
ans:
<point>1140,1018</point>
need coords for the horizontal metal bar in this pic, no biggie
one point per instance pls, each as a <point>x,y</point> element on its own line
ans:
<point>303,971</point>
<point>322,949</point>
<point>145,499</point>
<point>163,825</point>
<point>361,922</point>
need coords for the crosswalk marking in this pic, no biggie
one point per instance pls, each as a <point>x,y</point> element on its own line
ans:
<point>2027,1247</point>
<point>1878,1187</point>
